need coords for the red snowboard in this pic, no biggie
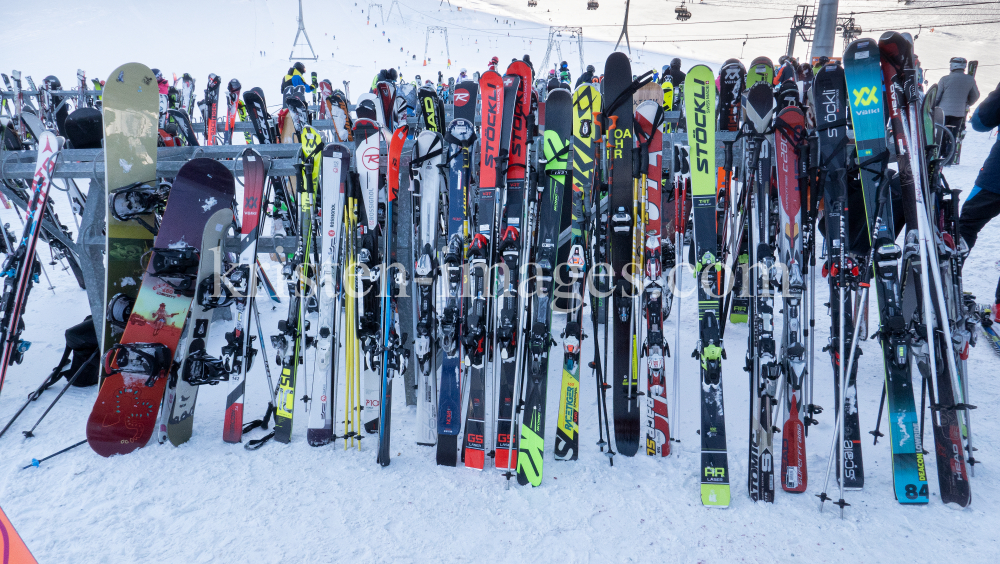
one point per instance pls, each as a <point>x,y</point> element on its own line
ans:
<point>124,416</point>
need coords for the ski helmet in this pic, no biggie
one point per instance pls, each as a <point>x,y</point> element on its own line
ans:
<point>564,65</point>
<point>299,66</point>
<point>157,73</point>
<point>675,63</point>
<point>590,68</point>
<point>52,82</point>
<point>496,60</point>
<point>462,71</point>
<point>958,63</point>
<point>552,72</point>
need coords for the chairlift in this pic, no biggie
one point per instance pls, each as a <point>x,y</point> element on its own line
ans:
<point>592,4</point>
<point>532,3</point>
<point>682,12</point>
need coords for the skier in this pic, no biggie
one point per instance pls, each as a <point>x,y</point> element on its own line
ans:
<point>587,77</point>
<point>161,82</point>
<point>553,82</point>
<point>676,74</point>
<point>785,71</point>
<point>820,63</point>
<point>462,76</point>
<point>296,77</point>
<point>564,75</point>
<point>494,62</point>
<point>527,60</point>
<point>956,92</point>
<point>983,203</point>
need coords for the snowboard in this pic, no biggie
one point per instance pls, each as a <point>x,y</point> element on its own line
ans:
<point>190,359</point>
<point>125,413</point>
<point>131,106</point>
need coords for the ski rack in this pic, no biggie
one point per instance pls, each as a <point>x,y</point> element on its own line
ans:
<point>89,247</point>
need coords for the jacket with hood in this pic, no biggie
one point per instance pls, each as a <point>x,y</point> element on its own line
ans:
<point>986,117</point>
<point>956,92</point>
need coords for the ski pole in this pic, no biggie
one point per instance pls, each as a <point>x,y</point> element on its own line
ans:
<point>30,433</point>
<point>36,462</point>
<point>878,421</point>
<point>46,384</point>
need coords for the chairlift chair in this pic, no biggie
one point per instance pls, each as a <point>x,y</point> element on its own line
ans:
<point>682,12</point>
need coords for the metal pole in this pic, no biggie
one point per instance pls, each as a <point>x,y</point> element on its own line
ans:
<point>826,28</point>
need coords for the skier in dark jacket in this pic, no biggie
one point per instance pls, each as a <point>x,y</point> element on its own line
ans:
<point>676,74</point>
<point>956,92</point>
<point>527,59</point>
<point>983,204</point>
<point>296,77</point>
<point>587,77</point>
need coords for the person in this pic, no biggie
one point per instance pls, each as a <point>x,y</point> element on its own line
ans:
<point>956,92</point>
<point>527,59</point>
<point>587,77</point>
<point>564,75</point>
<point>494,62</point>
<point>161,82</point>
<point>786,71</point>
<point>983,204</point>
<point>296,77</point>
<point>677,76</point>
<point>462,75</point>
<point>820,63</point>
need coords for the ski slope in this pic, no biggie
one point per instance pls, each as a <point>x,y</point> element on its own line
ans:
<point>207,501</point>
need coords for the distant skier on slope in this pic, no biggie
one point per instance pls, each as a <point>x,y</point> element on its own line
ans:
<point>956,92</point>
<point>983,203</point>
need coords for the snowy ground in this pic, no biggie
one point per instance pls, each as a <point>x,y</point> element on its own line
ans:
<point>211,502</point>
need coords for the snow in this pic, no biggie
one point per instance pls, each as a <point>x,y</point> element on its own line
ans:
<point>207,501</point>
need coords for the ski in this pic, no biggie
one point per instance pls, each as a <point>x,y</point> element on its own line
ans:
<point>699,100</point>
<point>291,341</point>
<point>556,145</point>
<point>393,356</point>
<point>761,361</point>
<point>617,112</point>
<point>461,135</point>
<point>476,333</point>
<point>426,183</point>
<point>649,124</point>
<point>864,77</point>
<point>790,150</point>
<point>21,266</point>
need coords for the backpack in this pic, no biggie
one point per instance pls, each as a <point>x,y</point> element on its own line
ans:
<point>81,353</point>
